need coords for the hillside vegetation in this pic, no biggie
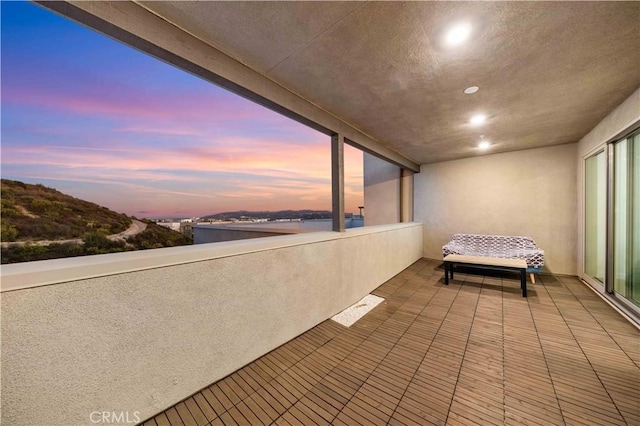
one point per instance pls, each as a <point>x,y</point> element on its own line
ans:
<point>33,214</point>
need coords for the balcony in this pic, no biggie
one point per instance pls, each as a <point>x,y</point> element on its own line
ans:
<point>238,332</point>
<point>474,352</point>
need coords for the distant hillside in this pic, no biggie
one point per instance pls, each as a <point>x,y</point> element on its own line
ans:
<point>47,224</point>
<point>35,212</point>
<point>282,214</point>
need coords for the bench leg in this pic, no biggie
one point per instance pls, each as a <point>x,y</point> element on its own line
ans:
<point>451,270</point>
<point>533,278</point>
<point>523,282</point>
<point>446,273</point>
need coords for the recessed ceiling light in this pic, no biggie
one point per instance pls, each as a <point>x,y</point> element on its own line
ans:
<point>484,145</point>
<point>478,119</point>
<point>458,34</point>
<point>471,90</point>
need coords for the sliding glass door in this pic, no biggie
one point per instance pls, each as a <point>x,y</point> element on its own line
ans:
<point>595,216</point>
<point>612,221</point>
<point>626,219</point>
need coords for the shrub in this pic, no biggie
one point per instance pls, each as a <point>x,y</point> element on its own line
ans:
<point>40,206</point>
<point>25,253</point>
<point>95,243</point>
<point>10,212</point>
<point>8,232</point>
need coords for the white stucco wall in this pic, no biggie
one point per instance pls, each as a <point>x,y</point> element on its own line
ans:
<point>381,191</point>
<point>143,340</point>
<point>618,121</point>
<point>530,192</point>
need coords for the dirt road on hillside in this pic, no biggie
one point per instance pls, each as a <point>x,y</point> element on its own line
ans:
<point>135,228</point>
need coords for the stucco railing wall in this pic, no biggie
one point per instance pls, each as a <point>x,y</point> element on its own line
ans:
<point>137,332</point>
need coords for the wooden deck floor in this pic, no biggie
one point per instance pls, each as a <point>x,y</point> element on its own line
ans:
<point>473,352</point>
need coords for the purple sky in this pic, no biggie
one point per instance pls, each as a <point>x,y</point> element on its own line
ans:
<point>103,122</point>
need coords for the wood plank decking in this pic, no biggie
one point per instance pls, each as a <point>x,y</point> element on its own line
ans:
<point>473,352</point>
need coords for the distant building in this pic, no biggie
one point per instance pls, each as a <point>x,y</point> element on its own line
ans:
<point>186,228</point>
<point>175,226</point>
<point>214,233</point>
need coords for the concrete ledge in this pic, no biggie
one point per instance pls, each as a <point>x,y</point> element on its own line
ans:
<point>46,272</point>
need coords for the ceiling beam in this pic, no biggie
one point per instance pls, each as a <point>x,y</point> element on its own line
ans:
<point>136,26</point>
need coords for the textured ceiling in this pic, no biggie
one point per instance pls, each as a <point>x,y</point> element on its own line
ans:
<point>548,72</point>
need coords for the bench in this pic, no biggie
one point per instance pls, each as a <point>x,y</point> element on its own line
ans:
<point>485,262</point>
<point>498,246</point>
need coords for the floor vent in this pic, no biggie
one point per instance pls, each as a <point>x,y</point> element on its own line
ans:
<point>356,311</point>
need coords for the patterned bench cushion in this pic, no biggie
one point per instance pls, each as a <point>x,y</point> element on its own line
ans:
<point>496,246</point>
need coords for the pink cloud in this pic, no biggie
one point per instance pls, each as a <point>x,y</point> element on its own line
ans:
<point>234,156</point>
<point>269,158</point>
<point>292,175</point>
<point>134,104</point>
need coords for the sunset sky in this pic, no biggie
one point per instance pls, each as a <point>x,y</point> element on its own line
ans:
<point>101,121</point>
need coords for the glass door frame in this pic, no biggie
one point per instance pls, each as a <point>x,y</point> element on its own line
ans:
<point>610,219</point>
<point>600,286</point>
<point>611,188</point>
<point>606,288</point>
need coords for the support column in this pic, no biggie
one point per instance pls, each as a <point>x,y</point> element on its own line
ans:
<point>406,195</point>
<point>337,182</point>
